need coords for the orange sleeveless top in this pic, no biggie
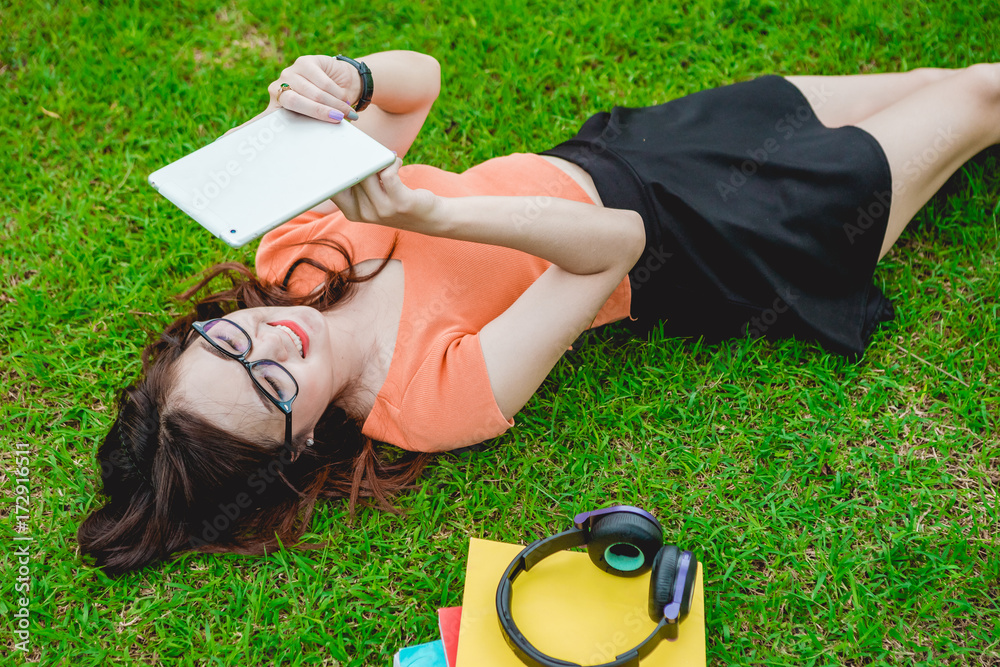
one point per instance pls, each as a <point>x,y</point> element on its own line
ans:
<point>437,394</point>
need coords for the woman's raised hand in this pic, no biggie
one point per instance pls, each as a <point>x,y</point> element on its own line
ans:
<point>319,86</point>
<point>383,199</point>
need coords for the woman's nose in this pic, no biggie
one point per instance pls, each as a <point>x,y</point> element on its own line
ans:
<point>272,343</point>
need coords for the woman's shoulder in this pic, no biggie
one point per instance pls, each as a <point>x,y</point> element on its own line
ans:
<point>443,401</point>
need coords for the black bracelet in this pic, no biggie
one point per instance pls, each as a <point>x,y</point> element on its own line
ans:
<point>367,85</point>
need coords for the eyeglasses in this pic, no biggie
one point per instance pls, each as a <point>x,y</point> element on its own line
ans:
<point>270,377</point>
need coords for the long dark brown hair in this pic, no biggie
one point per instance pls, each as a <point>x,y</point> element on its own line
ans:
<point>177,483</point>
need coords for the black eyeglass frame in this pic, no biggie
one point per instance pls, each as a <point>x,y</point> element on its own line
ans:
<point>284,406</point>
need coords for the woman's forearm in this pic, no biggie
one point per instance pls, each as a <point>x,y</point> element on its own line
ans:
<point>579,238</point>
<point>403,80</point>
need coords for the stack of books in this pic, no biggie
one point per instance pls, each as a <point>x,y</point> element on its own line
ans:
<point>565,606</point>
<point>439,653</point>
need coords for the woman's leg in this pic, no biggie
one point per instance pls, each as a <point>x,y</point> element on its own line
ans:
<point>930,133</point>
<point>847,100</point>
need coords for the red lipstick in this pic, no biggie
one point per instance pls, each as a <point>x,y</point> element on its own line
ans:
<point>298,332</point>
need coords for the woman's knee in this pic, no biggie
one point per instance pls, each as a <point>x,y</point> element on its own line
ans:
<point>984,82</point>
<point>929,75</point>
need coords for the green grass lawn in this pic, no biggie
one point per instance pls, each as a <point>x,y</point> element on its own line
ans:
<point>846,514</point>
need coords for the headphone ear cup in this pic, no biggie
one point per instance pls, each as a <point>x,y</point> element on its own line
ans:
<point>692,576</point>
<point>624,544</point>
<point>661,581</point>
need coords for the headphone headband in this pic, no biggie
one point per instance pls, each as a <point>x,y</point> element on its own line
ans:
<point>577,536</point>
<point>585,519</point>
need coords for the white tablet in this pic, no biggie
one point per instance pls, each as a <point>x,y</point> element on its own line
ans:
<point>267,172</point>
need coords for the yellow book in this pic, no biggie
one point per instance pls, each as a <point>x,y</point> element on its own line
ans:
<point>568,609</point>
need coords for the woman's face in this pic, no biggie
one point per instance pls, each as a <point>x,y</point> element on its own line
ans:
<point>220,389</point>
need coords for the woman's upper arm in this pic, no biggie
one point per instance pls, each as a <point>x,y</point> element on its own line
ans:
<point>522,345</point>
<point>394,131</point>
<point>398,130</point>
<point>412,98</point>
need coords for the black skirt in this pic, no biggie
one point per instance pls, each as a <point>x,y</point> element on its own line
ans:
<point>758,217</point>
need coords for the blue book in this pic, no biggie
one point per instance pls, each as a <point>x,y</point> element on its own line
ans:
<point>430,654</point>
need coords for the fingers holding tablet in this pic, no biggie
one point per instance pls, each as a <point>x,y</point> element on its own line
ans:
<point>300,97</point>
<point>388,178</point>
<point>328,87</point>
<point>384,199</point>
<point>307,88</point>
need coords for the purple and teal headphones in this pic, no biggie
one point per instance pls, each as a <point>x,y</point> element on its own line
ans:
<point>625,541</point>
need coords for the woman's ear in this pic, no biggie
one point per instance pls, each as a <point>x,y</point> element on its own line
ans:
<point>308,443</point>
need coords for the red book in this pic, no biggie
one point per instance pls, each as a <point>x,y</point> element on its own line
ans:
<point>449,620</point>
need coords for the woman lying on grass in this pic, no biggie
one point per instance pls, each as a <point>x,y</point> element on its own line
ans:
<point>422,308</point>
